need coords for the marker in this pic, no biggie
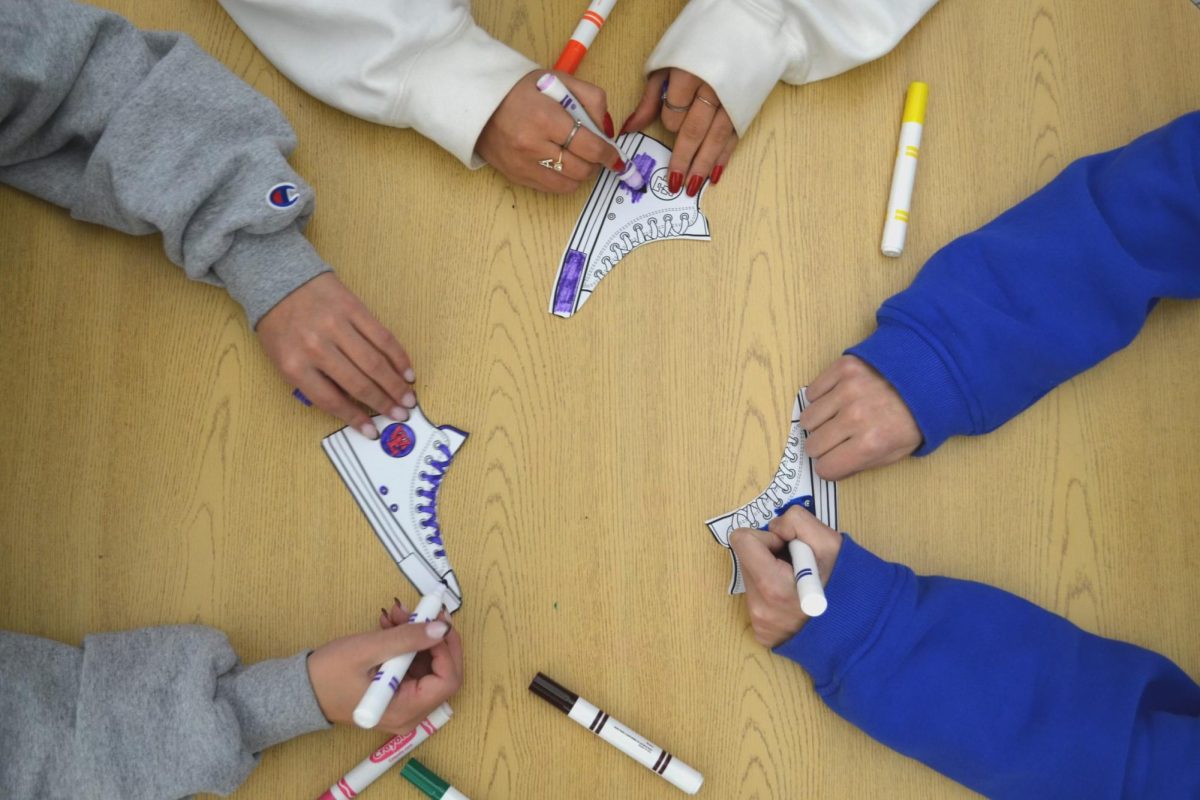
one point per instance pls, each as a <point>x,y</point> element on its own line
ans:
<point>429,783</point>
<point>387,678</point>
<point>557,91</point>
<point>804,563</point>
<point>628,741</point>
<point>383,759</point>
<point>904,175</point>
<point>584,35</point>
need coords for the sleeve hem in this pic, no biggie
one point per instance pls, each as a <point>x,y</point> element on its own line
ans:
<point>260,270</point>
<point>274,702</point>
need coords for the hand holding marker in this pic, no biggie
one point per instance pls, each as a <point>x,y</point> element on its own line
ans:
<point>386,683</point>
<point>804,565</point>
<point>552,87</point>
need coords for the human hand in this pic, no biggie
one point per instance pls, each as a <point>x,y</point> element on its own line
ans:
<point>856,420</point>
<point>771,596</point>
<point>528,127</point>
<point>341,670</point>
<point>705,139</point>
<point>329,345</point>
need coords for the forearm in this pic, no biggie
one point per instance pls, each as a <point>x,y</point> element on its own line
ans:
<point>153,713</point>
<point>996,693</point>
<point>423,64</point>
<point>144,132</point>
<point>1000,316</point>
<point>742,48</point>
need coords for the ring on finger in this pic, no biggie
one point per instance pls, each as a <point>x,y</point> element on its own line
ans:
<point>714,104</point>
<point>672,107</point>
<point>550,163</point>
<point>571,136</point>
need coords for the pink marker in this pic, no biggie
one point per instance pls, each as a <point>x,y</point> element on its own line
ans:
<point>383,759</point>
<point>556,90</point>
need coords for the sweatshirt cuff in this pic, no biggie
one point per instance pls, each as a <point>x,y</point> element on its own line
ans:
<point>920,373</point>
<point>454,88</point>
<point>859,591</point>
<point>711,39</point>
<point>259,270</point>
<point>274,702</point>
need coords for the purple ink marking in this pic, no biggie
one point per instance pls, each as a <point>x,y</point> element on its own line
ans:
<point>394,684</point>
<point>645,166</point>
<point>383,490</point>
<point>393,508</point>
<point>299,395</point>
<point>568,282</point>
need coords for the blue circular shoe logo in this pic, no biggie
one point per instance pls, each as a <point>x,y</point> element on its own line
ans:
<point>397,440</point>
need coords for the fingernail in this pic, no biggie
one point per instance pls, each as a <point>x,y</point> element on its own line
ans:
<point>367,429</point>
<point>608,124</point>
<point>674,181</point>
<point>399,605</point>
<point>716,173</point>
<point>694,185</point>
<point>625,124</point>
<point>399,414</point>
<point>409,400</point>
<point>436,629</point>
<point>619,166</point>
<point>383,611</point>
<point>409,375</point>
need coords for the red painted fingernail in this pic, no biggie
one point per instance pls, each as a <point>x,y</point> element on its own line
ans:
<point>674,181</point>
<point>619,166</point>
<point>625,124</point>
<point>383,611</point>
<point>716,173</point>
<point>694,185</point>
<point>608,126</point>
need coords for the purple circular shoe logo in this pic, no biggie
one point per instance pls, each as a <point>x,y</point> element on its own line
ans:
<point>397,440</point>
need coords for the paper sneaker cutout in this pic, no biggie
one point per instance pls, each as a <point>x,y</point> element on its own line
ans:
<point>794,479</point>
<point>395,482</point>
<point>617,220</point>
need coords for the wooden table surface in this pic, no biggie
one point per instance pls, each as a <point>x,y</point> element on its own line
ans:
<point>155,470</point>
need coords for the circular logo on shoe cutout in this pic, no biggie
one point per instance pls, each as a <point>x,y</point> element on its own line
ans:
<point>397,440</point>
<point>660,186</point>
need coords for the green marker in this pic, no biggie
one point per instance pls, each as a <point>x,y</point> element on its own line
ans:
<point>428,782</point>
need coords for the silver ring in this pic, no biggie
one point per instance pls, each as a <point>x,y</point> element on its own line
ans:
<point>714,106</point>
<point>571,137</point>
<point>677,109</point>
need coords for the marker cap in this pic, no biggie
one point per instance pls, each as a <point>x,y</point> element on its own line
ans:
<point>914,102</point>
<point>683,776</point>
<point>424,779</point>
<point>814,605</point>
<point>553,693</point>
<point>440,715</point>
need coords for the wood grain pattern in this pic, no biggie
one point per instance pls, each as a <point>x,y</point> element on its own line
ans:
<point>155,470</point>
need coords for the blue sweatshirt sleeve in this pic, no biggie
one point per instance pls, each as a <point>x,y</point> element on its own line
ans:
<point>1001,316</point>
<point>996,693</point>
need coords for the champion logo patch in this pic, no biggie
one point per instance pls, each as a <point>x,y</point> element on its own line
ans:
<point>283,195</point>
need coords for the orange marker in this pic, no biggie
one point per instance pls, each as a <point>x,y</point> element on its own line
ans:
<point>584,35</point>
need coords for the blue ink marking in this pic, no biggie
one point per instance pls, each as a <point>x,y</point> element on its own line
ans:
<point>394,684</point>
<point>383,490</point>
<point>805,501</point>
<point>568,282</point>
<point>804,573</point>
<point>393,508</point>
<point>662,95</point>
<point>397,440</point>
<point>645,165</point>
<point>299,395</point>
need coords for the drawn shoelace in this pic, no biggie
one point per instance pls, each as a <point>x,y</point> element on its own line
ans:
<point>435,481</point>
<point>651,230</point>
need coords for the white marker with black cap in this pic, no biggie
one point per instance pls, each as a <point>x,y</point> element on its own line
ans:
<point>628,741</point>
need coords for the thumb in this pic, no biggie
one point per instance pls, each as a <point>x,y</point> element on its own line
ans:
<point>756,551</point>
<point>379,646</point>
<point>595,101</point>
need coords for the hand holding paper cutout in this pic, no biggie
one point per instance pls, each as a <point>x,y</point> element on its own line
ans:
<point>856,420</point>
<point>331,347</point>
<point>771,597</point>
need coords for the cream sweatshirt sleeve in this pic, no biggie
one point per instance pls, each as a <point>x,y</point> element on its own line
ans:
<point>742,48</point>
<point>420,64</point>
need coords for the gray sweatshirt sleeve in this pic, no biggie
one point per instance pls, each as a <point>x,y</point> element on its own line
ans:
<point>148,714</point>
<point>144,132</point>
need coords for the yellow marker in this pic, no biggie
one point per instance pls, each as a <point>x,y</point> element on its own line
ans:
<point>904,175</point>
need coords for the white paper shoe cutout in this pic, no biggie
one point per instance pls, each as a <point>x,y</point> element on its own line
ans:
<point>794,479</point>
<point>395,482</point>
<point>617,220</point>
